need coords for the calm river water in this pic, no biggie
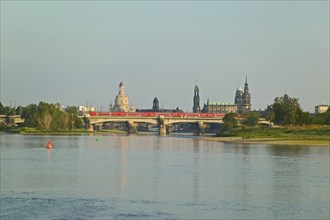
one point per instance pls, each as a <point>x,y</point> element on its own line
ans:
<point>151,177</point>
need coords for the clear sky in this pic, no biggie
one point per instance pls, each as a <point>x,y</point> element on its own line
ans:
<point>74,52</point>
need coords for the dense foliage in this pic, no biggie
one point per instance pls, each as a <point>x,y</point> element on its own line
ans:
<point>287,111</point>
<point>251,119</point>
<point>230,121</point>
<point>45,116</point>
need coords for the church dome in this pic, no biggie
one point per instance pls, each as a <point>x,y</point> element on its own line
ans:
<point>239,88</point>
<point>121,101</point>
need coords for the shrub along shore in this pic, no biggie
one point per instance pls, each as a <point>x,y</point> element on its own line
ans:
<point>302,135</point>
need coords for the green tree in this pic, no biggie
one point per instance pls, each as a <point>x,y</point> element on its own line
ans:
<point>305,118</point>
<point>45,121</point>
<point>74,120</point>
<point>323,118</point>
<point>6,110</point>
<point>251,119</point>
<point>44,116</point>
<point>2,109</point>
<point>49,117</point>
<point>29,114</point>
<point>268,114</point>
<point>327,117</point>
<point>287,110</point>
<point>230,121</point>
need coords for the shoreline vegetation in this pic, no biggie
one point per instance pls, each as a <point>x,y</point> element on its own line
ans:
<point>298,135</point>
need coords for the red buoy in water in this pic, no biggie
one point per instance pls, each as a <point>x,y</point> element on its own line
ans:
<point>49,145</point>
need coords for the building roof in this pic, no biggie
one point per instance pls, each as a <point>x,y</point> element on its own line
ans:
<point>220,103</point>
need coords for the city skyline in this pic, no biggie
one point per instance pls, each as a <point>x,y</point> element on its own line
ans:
<point>78,52</point>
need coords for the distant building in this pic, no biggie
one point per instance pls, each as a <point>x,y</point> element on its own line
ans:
<point>219,107</point>
<point>59,106</point>
<point>121,101</point>
<point>155,108</point>
<point>241,105</point>
<point>321,109</point>
<point>155,104</point>
<point>243,99</point>
<point>86,108</point>
<point>196,99</point>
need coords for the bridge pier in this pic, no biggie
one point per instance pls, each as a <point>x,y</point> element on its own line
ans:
<point>162,130</point>
<point>161,126</point>
<point>200,128</point>
<point>98,126</point>
<point>90,128</point>
<point>131,127</point>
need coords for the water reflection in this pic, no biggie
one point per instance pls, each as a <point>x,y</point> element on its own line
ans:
<point>287,173</point>
<point>283,150</point>
<point>196,169</point>
<point>121,144</point>
<point>163,178</point>
<point>156,164</point>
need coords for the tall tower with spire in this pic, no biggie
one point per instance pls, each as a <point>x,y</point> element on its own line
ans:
<point>239,99</point>
<point>246,101</point>
<point>196,99</point>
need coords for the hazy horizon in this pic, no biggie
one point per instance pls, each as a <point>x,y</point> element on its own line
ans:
<point>74,52</point>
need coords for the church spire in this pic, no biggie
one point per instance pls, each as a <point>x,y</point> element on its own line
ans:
<point>246,83</point>
<point>196,99</point>
<point>246,98</point>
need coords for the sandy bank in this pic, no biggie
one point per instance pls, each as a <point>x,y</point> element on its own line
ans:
<point>270,141</point>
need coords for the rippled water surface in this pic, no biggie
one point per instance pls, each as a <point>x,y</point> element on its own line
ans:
<point>151,177</point>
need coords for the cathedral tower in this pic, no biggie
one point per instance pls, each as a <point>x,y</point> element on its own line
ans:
<point>196,107</point>
<point>246,98</point>
<point>155,105</point>
<point>239,99</point>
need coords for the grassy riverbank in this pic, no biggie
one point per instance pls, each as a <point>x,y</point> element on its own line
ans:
<point>306,135</point>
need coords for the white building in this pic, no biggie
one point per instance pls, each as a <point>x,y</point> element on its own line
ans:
<point>86,108</point>
<point>321,109</point>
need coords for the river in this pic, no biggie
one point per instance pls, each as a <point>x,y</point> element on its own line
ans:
<point>152,177</point>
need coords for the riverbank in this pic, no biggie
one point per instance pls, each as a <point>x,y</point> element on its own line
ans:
<point>34,131</point>
<point>311,135</point>
<point>270,141</point>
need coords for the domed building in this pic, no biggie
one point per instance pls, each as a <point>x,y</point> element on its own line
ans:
<point>241,105</point>
<point>155,108</point>
<point>239,99</point>
<point>121,101</point>
<point>243,98</point>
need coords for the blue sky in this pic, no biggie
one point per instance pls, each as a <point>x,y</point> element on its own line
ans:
<point>74,52</point>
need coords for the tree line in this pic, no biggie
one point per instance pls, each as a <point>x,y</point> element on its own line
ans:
<point>284,111</point>
<point>45,116</point>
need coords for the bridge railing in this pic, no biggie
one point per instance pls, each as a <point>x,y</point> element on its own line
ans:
<point>155,114</point>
